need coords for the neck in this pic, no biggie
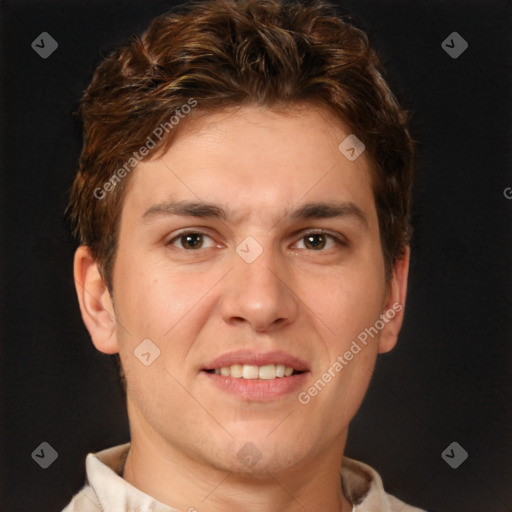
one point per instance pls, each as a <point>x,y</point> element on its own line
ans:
<point>169,475</point>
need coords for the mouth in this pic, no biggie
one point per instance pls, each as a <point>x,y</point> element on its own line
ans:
<point>257,376</point>
<point>253,372</point>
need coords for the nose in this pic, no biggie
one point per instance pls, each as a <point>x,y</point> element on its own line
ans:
<point>260,292</point>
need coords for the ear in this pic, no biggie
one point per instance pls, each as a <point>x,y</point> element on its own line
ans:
<point>95,302</point>
<point>394,305</point>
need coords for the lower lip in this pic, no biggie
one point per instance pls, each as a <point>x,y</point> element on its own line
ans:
<point>258,389</point>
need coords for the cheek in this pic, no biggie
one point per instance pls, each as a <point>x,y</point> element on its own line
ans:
<point>158,305</point>
<point>142,295</point>
<point>351,302</point>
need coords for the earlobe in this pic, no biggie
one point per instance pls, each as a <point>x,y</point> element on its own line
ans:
<point>395,303</point>
<point>95,302</point>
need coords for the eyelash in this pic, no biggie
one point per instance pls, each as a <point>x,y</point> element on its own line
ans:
<point>338,240</point>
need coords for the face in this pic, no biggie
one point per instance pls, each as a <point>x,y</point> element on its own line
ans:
<point>251,248</point>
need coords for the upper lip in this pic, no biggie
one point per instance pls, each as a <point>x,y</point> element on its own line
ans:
<point>257,359</point>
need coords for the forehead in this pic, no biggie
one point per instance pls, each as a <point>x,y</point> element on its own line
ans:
<point>251,160</point>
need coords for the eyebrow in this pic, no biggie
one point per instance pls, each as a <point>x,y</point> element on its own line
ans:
<point>308,211</point>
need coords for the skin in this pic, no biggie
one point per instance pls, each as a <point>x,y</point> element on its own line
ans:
<point>196,304</point>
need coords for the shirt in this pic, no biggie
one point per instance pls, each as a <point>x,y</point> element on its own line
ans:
<point>105,490</point>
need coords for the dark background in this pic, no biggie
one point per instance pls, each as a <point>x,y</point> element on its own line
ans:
<point>449,378</point>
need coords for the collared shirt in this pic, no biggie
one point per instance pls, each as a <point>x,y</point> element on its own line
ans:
<point>105,490</point>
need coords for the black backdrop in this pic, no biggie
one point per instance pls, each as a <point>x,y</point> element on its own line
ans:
<point>449,378</point>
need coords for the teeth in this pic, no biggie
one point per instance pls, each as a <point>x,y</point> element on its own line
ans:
<point>236,370</point>
<point>267,372</point>
<point>249,371</point>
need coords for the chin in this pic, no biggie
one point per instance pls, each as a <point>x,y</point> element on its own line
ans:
<point>262,453</point>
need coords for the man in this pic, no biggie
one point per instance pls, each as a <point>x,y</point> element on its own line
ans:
<point>242,205</point>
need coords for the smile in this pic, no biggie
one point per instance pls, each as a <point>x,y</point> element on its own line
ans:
<point>257,376</point>
<point>249,371</point>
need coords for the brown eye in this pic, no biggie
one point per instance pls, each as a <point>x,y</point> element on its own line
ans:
<point>189,240</point>
<point>317,241</point>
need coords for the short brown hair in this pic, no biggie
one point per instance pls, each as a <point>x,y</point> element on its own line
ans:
<point>224,53</point>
